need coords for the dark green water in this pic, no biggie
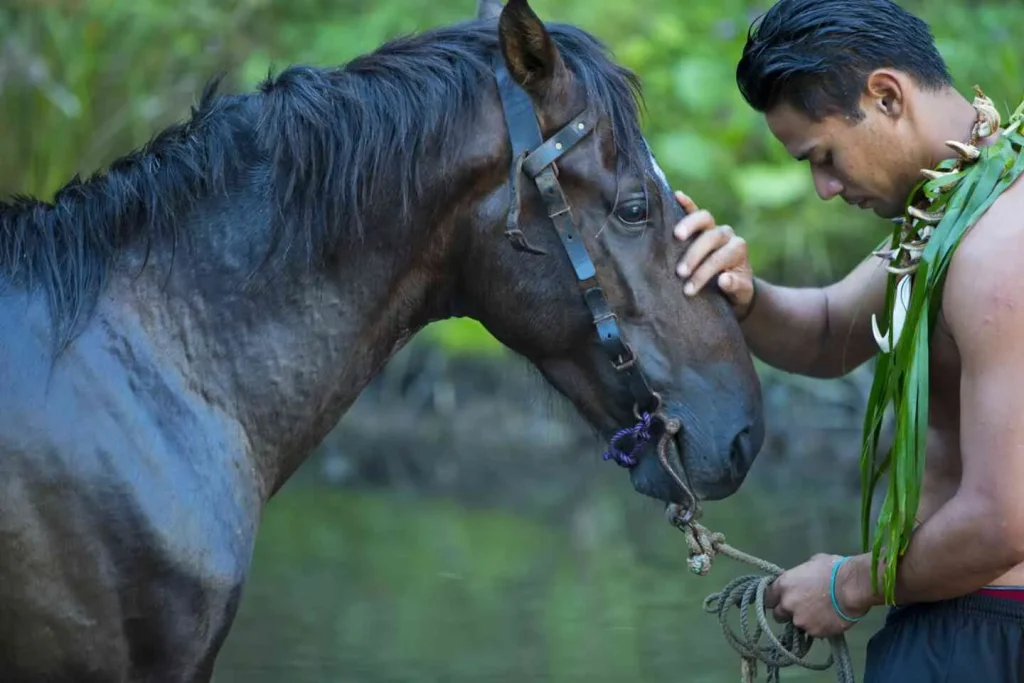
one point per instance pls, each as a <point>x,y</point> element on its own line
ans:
<point>390,587</point>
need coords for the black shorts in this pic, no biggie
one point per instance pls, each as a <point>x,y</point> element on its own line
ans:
<point>975,639</point>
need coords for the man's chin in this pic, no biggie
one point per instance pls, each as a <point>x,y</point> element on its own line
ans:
<point>889,213</point>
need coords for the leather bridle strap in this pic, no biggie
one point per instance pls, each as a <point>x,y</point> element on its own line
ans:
<point>535,157</point>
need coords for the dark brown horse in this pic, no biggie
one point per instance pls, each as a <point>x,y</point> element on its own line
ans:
<point>177,334</point>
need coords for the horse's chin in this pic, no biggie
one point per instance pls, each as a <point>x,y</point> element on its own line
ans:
<point>650,478</point>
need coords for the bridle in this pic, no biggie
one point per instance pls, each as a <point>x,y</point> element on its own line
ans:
<point>536,157</point>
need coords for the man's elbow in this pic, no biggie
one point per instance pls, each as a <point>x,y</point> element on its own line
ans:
<point>1011,536</point>
<point>1001,524</point>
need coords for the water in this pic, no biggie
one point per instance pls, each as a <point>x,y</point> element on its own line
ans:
<point>382,587</point>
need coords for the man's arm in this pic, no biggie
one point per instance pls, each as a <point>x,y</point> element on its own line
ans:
<point>979,534</point>
<point>822,332</point>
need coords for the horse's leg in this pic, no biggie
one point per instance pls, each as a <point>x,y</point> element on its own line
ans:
<point>184,597</point>
<point>181,645</point>
<point>204,668</point>
<point>70,621</point>
<point>127,577</point>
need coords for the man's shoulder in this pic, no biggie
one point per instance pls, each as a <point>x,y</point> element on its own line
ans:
<point>986,275</point>
<point>996,238</point>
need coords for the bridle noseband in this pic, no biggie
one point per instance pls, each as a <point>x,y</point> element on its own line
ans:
<point>536,157</point>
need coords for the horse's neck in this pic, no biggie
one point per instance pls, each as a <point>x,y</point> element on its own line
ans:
<point>289,358</point>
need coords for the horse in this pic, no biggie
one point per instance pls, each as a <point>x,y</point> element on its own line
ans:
<point>179,331</point>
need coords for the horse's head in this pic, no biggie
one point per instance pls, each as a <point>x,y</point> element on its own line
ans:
<point>572,265</point>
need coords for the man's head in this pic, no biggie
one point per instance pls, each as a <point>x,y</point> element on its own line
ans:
<point>853,86</point>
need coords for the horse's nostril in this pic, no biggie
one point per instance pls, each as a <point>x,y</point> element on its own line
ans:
<point>742,452</point>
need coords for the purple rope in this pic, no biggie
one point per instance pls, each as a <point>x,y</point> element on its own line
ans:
<point>641,433</point>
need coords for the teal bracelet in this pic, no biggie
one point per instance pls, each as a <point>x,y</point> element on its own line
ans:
<point>832,590</point>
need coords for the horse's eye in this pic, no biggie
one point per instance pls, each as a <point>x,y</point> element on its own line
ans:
<point>633,212</point>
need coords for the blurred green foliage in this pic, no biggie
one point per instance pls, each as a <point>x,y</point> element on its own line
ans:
<point>84,81</point>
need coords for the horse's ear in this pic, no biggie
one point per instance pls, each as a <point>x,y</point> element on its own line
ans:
<point>530,53</point>
<point>488,9</point>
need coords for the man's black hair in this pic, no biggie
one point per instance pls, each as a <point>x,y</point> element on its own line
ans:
<point>816,55</point>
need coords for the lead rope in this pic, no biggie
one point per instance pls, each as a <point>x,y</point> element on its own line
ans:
<point>746,592</point>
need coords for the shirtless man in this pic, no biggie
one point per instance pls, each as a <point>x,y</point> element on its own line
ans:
<point>857,89</point>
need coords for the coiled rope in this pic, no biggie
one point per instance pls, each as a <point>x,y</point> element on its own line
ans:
<point>747,592</point>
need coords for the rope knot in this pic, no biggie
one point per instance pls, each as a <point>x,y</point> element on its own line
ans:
<point>640,433</point>
<point>700,564</point>
<point>704,546</point>
<point>702,543</point>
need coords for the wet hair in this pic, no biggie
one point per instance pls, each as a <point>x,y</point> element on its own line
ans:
<point>816,55</point>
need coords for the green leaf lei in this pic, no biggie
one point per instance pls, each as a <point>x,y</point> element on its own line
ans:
<point>939,211</point>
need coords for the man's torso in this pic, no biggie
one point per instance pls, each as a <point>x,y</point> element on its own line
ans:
<point>943,464</point>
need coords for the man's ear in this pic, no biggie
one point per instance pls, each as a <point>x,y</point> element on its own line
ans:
<point>887,90</point>
<point>530,53</point>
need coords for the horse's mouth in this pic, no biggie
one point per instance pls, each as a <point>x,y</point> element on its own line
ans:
<point>675,471</point>
<point>660,473</point>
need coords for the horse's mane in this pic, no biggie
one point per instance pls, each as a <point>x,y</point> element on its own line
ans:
<point>338,146</point>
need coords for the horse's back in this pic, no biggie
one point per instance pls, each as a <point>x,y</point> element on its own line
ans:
<point>123,545</point>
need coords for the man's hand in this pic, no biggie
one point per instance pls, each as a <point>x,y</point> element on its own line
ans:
<point>801,595</point>
<point>716,252</point>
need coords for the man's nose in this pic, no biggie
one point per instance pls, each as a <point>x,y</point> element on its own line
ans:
<point>826,186</point>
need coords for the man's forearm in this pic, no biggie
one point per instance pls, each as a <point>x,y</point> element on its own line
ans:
<point>787,326</point>
<point>958,550</point>
<point>817,332</point>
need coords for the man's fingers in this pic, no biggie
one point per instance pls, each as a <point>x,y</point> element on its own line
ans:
<point>772,600</point>
<point>739,289</point>
<point>689,206</point>
<point>714,251</point>
<point>706,243</point>
<point>771,595</point>
<point>726,256</point>
<point>698,221</point>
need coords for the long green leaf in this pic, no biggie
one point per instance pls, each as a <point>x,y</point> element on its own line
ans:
<point>901,376</point>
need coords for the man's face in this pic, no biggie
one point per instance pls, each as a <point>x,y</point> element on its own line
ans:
<point>872,163</point>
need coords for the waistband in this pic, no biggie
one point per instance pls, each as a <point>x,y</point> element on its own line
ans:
<point>1003,592</point>
<point>997,602</point>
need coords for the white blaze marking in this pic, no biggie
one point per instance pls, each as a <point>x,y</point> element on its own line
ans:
<point>657,169</point>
